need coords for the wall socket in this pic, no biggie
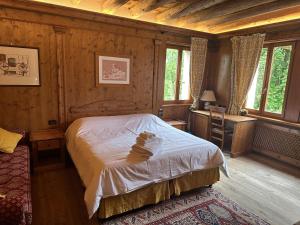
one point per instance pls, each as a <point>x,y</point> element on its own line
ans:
<point>52,122</point>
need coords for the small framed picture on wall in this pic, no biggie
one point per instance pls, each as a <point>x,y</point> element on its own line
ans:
<point>19,66</point>
<point>112,69</point>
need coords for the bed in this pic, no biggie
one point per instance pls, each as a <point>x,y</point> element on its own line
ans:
<point>99,147</point>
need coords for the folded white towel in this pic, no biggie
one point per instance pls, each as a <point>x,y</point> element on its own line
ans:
<point>135,158</point>
<point>147,145</point>
<point>149,141</point>
<point>147,135</point>
<point>145,151</point>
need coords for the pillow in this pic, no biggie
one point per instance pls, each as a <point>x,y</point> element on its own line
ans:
<point>8,141</point>
<point>24,139</point>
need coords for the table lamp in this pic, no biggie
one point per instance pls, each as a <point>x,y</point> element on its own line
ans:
<point>207,97</point>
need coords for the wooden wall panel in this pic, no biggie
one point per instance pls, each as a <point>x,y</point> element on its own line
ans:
<point>67,65</point>
<point>220,71</point>
<point>84,98</point>
<point>292,112</point>
<point>175,112</point>
<point>30,107</point>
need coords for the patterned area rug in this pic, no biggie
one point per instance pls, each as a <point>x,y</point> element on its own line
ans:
<point>202,207</point>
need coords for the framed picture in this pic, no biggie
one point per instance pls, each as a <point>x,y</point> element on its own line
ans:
<point>112,70</point>
<point>19,66</point>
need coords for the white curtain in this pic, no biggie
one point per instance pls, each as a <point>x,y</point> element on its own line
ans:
<point>246,51</point>
<point>198,59</point>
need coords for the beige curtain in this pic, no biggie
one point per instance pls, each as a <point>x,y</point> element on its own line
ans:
<point>198,59</point>
<point>245,57</point>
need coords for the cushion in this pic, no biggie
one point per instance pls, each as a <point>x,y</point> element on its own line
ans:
<point>24,139</point>
<point>8,141</point>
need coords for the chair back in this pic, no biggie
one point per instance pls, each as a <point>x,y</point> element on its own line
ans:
<point>217,115</point>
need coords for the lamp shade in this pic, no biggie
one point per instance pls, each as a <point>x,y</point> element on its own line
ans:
<point>208,96</point>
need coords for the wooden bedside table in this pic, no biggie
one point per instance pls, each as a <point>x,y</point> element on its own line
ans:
<point>179,124</point>
<point>48,140</point>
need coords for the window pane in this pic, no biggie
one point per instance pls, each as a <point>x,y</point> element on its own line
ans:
<point>184,93</point>
<point>255,91</point>
<point>278,78</point>
<point>170,74</point>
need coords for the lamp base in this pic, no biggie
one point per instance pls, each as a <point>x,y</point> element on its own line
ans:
<point>206,105</point>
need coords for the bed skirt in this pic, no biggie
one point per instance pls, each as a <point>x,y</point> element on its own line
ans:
<point>155,193</point>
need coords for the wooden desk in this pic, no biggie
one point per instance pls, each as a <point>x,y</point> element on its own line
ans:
<point>243,130</point>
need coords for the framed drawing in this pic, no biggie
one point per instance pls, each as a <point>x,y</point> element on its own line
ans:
<point>19,66</point>
<point>112,70</point>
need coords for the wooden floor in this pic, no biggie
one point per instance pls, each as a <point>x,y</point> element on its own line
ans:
<point>261,185</point>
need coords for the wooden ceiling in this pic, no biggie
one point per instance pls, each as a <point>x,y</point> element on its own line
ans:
<point>211,16</point>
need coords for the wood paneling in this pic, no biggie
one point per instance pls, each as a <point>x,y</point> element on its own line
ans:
<point>30,107</point>
<point>176,112</point>
<point>292,111</point>
<point>67,61</point>
<point>61,79</point>
<point>84,98</point>
<point>220,72</point>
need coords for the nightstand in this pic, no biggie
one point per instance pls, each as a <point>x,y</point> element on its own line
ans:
<point>179,124</point>
<point>48,141</point>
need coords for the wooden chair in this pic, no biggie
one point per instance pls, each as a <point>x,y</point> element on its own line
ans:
<point>217,124</point>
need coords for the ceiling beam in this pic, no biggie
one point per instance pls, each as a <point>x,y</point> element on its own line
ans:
<point>113,4</point>
<point>159,3</point>
<point>259,10</point>
<point>167,14</point>
<point>283,31</point>
<point>195,7</point>
<point>222,9</point>
<point>258,16</point>
<point>258,20</point>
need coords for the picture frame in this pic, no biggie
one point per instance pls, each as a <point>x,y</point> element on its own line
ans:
<point>19,66</point>
<point>112,69</point>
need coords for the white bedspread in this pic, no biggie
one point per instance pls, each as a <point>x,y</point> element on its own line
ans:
<point>99,147</point>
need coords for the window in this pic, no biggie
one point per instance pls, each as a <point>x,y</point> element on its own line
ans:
<point>267,92</point>
<point>177,75</point>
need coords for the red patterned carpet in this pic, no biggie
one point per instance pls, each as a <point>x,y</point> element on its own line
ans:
<point>201,207</point>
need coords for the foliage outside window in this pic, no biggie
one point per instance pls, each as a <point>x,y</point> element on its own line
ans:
<point>267,92</point>
<point>177,75</point>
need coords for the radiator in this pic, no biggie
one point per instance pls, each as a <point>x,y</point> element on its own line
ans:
<point>279,142</point>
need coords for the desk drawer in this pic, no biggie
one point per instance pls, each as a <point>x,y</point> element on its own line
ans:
<point>49,144</point>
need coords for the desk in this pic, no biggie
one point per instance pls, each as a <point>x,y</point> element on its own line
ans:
<point>243,130</point>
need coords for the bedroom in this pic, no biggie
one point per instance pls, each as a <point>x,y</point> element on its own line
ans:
<point>54,62</point>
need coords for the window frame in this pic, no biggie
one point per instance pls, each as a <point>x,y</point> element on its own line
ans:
<point>267,74</point>
<point>178,75</point>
